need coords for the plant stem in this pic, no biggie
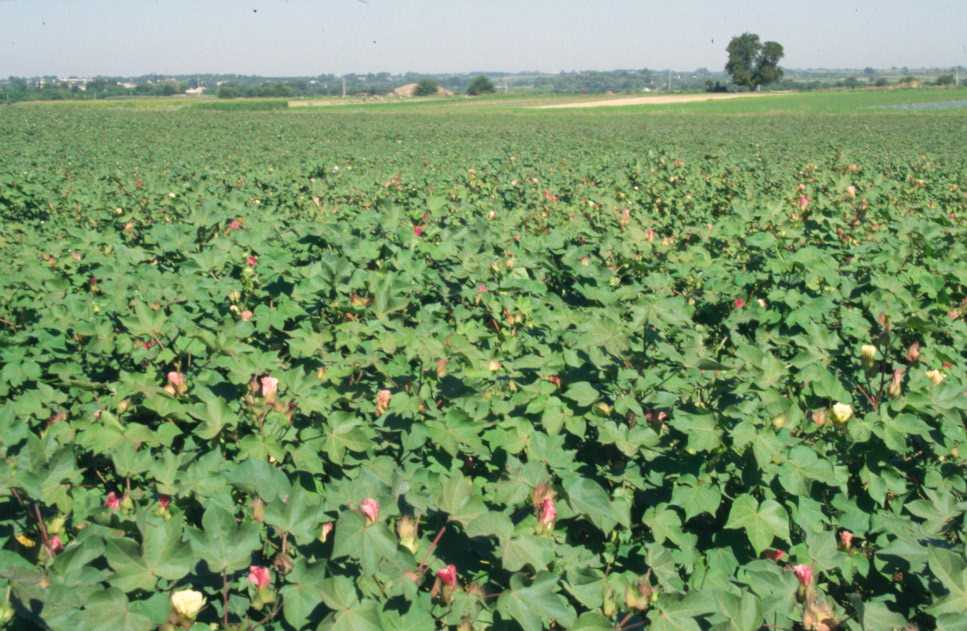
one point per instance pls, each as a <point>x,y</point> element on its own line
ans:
<point>436,541</point>
<point>224,598</point>
<point>41,526</point>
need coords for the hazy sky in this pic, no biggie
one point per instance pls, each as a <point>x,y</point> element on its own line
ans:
<point>308,37</point>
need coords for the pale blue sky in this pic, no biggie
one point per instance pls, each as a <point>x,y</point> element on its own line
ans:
<point>308,37</point>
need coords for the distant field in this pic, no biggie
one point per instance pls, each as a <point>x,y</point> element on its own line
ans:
<point>668,99</point>
<point>819,102</point>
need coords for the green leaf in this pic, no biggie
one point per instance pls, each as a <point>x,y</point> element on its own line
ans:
<point>213,412</point>
<point>297,514</point>
<point>223,544</point>
<point>701,429</point>
<point>533,605</point>
<point>582,393</point>
<point>303,592</point>
<point>588,498</point>
<point>950,569</point>
<point>161,554</point>
<point>362,617</point>
<point>522,550</point>
<point>109,609</point>
<point>761,524</point>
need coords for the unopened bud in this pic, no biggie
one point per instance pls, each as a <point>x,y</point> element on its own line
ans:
<point>408,530</point>
<point>258,510</point>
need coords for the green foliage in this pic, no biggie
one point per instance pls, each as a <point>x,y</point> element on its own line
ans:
<point>481,85</point>
<point>753,63</point>
<point>427,87</point>
<point>471,333</point>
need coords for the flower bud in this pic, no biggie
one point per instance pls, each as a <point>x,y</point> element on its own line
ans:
<point>448,575</point>
<point>176,381</point>
<point>441,367</point>
<point>609,608</point>
<point>846,540</point>
<point>540,493</point>
<point>804,574</point>
<point>370,509</point>
<point>258,510</point>
<point>112,501</point>
<point>6,613</point>
<point>54,545</point>
<point>896,383</point>
<point>270,386</point>
<point>819,417</point>
<point>936,377</point>
<point>383,398</point>
<point>325,531</point>
<point>259,576</point>
<point>408,530</point>
<point>868,353</point>
<point>547,515</point>
<point>913,353</point>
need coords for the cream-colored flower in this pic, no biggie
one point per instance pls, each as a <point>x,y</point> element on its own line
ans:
<point>936,377</point>
<point>868,352</point>
<point>842,412</point>
<point>187,602</point>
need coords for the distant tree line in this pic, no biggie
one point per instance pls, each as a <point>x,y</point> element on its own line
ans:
<point>757,69</point>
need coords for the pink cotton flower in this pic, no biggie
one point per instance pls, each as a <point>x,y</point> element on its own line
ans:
<point>176,379</point>
<point>270,386</point>
<point>112,501</point>
<point>775,555</point>
<point>235,224</point>
<point>548,513</point>
<point>54,545</point>
<point>481,288</point>
<point>739,303</point>
<point>803,202</point>
<point>251,260</point>
<point>846,539</point>
<point>417,231</point>
<point>448,575</point>
<point>370,508</point>
<point>326,531</point>
<point>804,573</point>
<point>164,501</point>
<point>246,315</point>
<point>383,398</point>
<point>259,576</point>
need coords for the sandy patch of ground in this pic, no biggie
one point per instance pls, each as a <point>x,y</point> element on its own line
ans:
<point>655,100</point>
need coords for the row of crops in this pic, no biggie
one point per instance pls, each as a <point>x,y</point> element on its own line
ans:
<point>356,371</point>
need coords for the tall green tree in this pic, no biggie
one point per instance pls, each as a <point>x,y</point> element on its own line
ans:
<point>427,87</point>
<point>480,85</point>
<point>753,63</point>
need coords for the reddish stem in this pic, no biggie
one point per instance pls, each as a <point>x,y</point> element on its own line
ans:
<point>436,541</point>
<point>41,526</point>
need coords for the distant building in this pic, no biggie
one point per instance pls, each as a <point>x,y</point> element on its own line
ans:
<point>195,91</point>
